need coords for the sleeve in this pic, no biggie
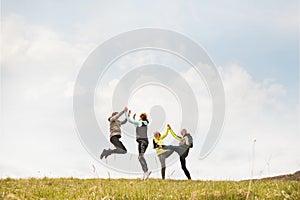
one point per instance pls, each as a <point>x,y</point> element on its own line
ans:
<point>154,144</point>
<point>188,141</point>
<point>117,116</point>
<point>124,121</point>
<point>164,135</point>
<point>134,122</point>
<point>191,141</point>
<point>174,135</point>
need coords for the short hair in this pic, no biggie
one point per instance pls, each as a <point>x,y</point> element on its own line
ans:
<point>156,132</point>
<point>113,114</point>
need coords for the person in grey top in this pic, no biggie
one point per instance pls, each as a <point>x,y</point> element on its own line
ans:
<point>141,138</point>
<point>186,142</point>
<point>115,135</point>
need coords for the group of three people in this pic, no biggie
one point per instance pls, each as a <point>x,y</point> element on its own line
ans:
<point>163,151</point>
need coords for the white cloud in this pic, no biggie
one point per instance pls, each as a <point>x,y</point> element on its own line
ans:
<point>255,110</point>
<point>26,46</point>
<point>38,68</point>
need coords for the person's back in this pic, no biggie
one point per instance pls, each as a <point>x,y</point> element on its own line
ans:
<point>141,131</point>
<point>115,124</point>
<point>186,141</point>
<point>114,127</point>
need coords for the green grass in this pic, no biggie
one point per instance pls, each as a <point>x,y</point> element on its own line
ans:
<point>71,188</point>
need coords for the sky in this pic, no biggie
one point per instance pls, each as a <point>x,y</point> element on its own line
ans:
<point>254,45</point>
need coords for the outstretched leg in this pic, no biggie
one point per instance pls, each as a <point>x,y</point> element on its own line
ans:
<point>178,149</point>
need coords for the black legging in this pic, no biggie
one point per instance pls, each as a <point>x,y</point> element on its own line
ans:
<point>120,148</point>
<point>183,163</point>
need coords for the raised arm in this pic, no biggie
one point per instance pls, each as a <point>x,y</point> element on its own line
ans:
<point>174,135</point>
<point>165,134</point>
<point>117,116</point>
<point>124,121</point>
<point>134,122</point>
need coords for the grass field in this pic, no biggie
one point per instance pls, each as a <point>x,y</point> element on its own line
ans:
<point>71,188</point>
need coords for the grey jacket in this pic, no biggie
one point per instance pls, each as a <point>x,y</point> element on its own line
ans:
<point>115,124</point>
<point>186,141</point>
<point>141,131</point>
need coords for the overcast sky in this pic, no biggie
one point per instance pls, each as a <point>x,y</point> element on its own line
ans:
<point>255,46</point>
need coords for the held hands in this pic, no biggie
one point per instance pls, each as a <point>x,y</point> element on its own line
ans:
<point>169,127</point>
<point>129,112</point>
<point>126,110</point>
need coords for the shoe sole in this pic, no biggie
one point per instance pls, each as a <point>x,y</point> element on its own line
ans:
<point>147,176</point>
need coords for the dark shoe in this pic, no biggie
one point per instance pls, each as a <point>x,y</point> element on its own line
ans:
<point>104,153</point>
<point>107,154</point>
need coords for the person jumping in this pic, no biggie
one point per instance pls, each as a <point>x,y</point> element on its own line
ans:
<point>161,153</point>
<point>115,135</point>
<point>141,138</point>
<point>186,142</point>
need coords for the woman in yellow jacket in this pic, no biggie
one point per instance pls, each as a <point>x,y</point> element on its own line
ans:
<point>161,153</point>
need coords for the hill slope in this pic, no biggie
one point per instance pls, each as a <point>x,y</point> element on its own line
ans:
<point>287,177</point>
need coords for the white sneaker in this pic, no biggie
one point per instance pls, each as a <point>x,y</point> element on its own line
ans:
<point>146,175</point>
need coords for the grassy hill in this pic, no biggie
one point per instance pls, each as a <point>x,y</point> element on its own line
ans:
<point>71,188</point>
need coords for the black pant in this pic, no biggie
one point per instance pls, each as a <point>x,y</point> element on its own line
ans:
<point>183,163</point>
<point>120,148</point>
<point>162,158</point>
<point>142,146</point>
<point>183,152</point>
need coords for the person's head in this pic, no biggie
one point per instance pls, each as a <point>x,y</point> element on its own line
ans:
<point>113,114</point>
<point>143,117</point>
<point>183,132</point>
<point>157,135</point>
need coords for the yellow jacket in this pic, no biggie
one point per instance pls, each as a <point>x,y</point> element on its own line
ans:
<point>175,136</point>
<point>159,142</point>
